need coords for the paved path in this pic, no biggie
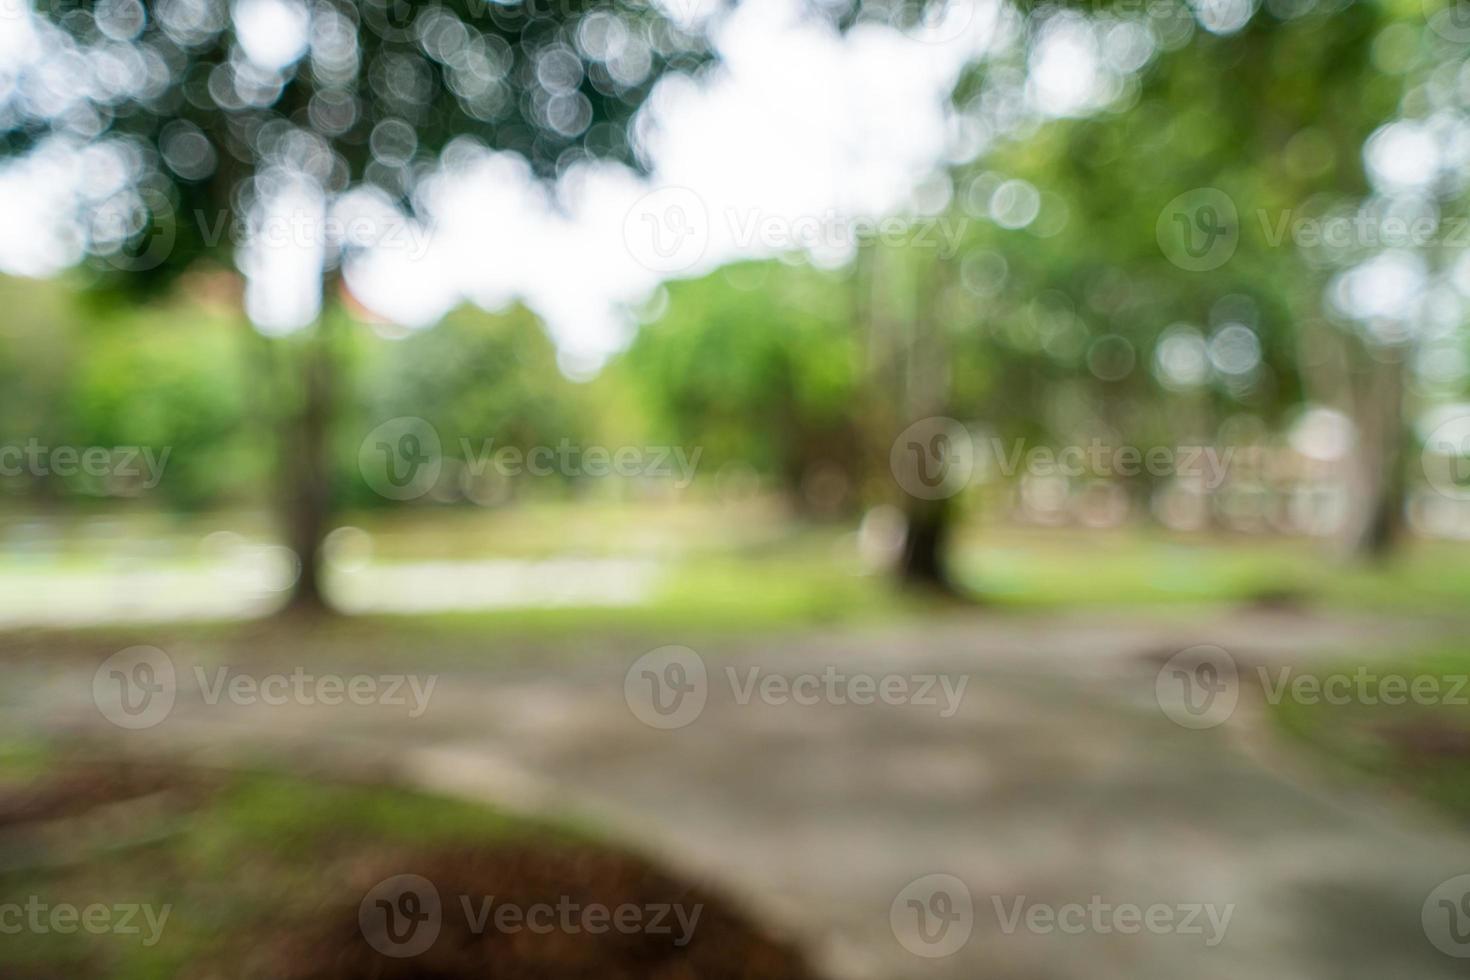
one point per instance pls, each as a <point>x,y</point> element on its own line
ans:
<point>1057,781</point>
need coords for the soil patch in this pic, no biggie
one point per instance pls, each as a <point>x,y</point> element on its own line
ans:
<point>523,910</point>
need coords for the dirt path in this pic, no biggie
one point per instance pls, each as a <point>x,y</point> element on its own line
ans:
<point>1088,834</point>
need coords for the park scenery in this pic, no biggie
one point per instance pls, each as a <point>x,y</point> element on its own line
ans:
<point>713,489</point>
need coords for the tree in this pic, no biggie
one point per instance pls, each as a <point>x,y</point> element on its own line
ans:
<point>484,381</point>
<point>202,114</point>
<point>759,363</point>
<point>1271,112</point>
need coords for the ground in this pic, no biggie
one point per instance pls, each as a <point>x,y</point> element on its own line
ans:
<point>1057,779</point>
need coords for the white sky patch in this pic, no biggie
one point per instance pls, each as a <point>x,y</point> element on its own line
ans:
<point>1067,75</point>
<point>1323,434</point>
<point>283,258</point>
<point>800,127</point>
<point>273,33</point>
<point>33,193</point>
<point>1223,16</point>
<point>18,41</point>
<point>1402,156</point>
<point>1387,287</point>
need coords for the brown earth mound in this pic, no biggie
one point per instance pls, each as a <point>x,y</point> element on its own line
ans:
<point>525,911</point>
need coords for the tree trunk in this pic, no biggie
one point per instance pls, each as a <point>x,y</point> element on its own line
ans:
<point>305,465</point>
<point>1379,491</point>
<point>921,565</point>
<point>908,379</point>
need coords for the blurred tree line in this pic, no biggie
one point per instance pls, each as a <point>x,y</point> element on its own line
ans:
<point>171,376</point>
<point>1058,317</point>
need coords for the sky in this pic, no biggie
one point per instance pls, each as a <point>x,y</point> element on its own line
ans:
<point>799,135</point>
<point>801,132</point>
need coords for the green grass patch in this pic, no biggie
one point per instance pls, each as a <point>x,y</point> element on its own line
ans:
<point>258,853</point>
<point>1403,722</point>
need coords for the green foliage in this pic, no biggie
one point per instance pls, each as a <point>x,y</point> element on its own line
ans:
<point>483,380</point>
<point>760,364</point>
<point>160,377</point>
<point>384,88</point>
<point>1037,307</point>
<point>168,377</point>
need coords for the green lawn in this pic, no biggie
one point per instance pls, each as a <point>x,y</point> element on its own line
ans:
<point>1381,728</point>
<point>750,568</point>
<point>261,853</point>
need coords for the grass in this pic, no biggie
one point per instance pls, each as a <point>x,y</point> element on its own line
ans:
<point>264,853</point>
<point>747,570</point>
<point>1420,746</point>
<point>1054,568</point>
